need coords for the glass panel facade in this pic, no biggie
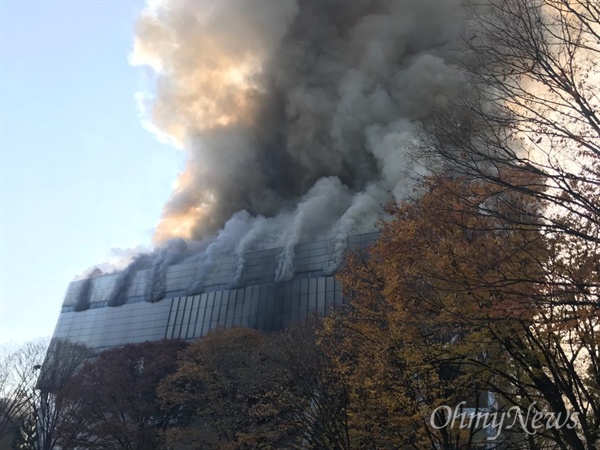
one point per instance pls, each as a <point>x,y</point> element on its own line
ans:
<point>257,301</point>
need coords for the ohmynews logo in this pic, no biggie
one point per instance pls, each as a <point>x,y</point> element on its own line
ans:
<point>531,422</point>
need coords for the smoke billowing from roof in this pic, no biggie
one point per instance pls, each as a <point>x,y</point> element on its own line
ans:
<point>296,116</point>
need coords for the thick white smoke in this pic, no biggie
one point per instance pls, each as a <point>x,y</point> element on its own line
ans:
<point>297,116</point>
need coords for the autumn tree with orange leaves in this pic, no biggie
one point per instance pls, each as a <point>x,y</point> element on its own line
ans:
<point>220,384</point>
<point>450,303</point>
<point>242,389</point>
<point>114,402</point>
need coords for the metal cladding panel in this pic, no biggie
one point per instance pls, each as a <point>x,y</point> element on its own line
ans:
<point>101,289</point>
<point>179,276</point>
<point>201,275</point>
<point>112,327</point>
<point>255,299</point>
<point>137,287</point>
<point>266,308</point>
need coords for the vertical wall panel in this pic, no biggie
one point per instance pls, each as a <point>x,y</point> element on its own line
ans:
<point>303,304</point>
<point>304,286</point>
<point>216,310</point>
<point>210,299</point>
<point>277,312</point>
<point>246,307</point>
<point>172,317</point>
<point>330,284</point>
<point>193,317</point>
<point>261,307</point>
<point>234,294</point>
<point>338,300</point>
<point>269,308</point>
<point>312,286</point>
<point>253,317</point>
<point>286,304</point>
<point>223,299</point>
<point>179,318</point>
<point>321,303</point>
<point>185,323</point>
<point>201,316</point>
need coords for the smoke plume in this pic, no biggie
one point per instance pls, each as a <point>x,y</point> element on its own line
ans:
<point>297,116</point>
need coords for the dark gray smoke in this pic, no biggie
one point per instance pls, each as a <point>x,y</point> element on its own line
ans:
<point>84,296</point>
<point>297,116</point>
<point>172,253</point>
<point>118,295</point>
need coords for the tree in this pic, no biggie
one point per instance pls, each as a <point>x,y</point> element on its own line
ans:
<point>531,110</point>
<point>18,377</point>
<point>50,407</point>
<point>530,124</point>
<point>32,379</point>
<point>451,302</point>
<point>243,389</point>
<point>26,437</point>
<point>220,383</point>
<point>309,393</point>
<point>115,402</point>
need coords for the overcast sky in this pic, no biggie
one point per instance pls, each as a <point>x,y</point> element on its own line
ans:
<point>79,174</point>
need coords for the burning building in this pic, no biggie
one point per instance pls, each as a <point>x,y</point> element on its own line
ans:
<point>299,120</point>
<point>256,300</point>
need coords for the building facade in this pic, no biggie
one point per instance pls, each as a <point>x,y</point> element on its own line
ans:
<point>225,294</point>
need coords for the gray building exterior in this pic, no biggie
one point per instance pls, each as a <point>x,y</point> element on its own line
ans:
<point>256,300</point>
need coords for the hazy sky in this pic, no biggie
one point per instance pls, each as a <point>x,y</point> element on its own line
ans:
<point>79,173</point>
